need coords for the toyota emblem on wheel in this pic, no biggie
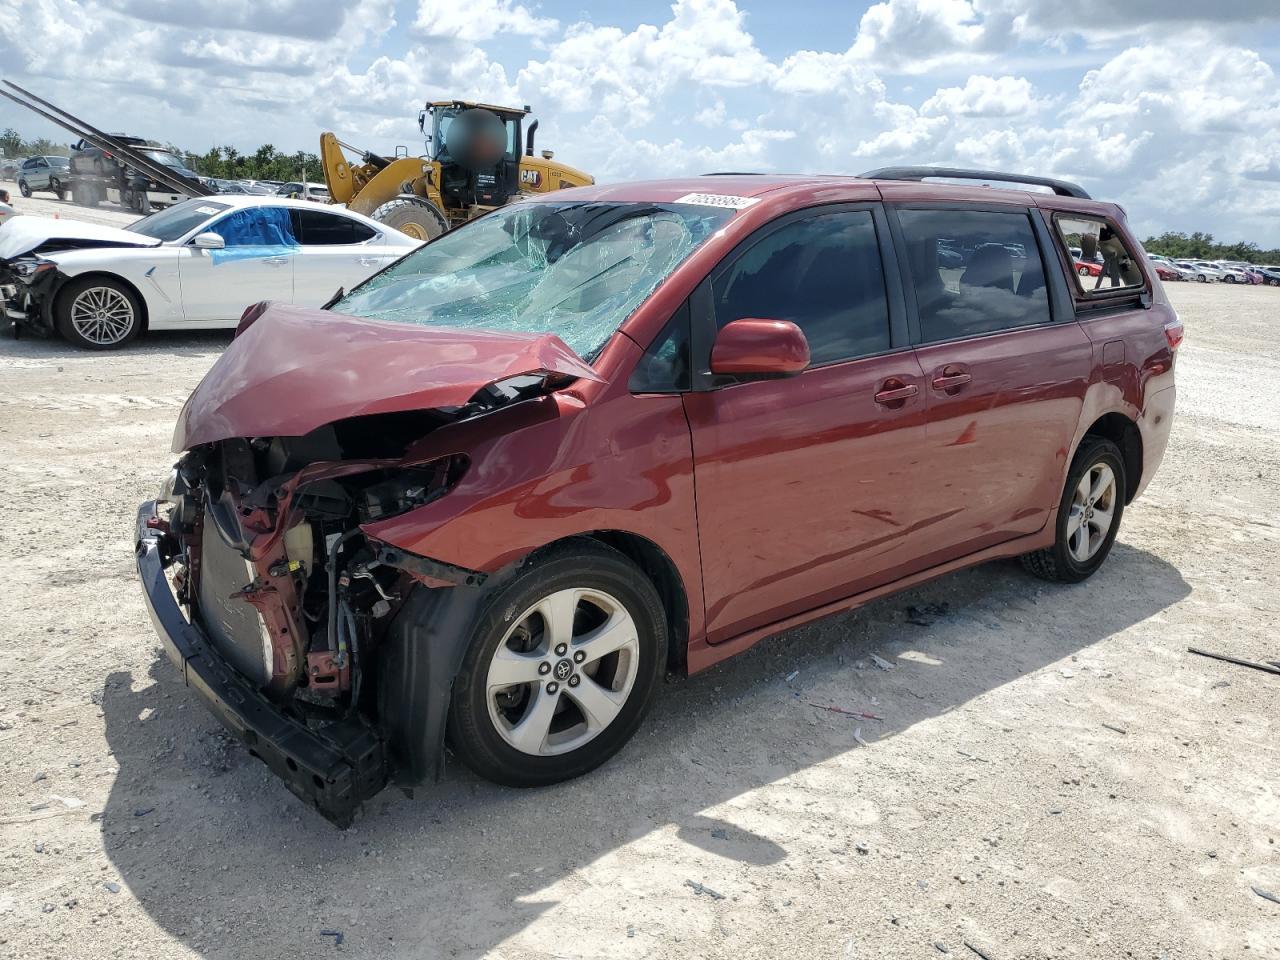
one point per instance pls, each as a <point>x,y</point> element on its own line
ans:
<point>563,669</point>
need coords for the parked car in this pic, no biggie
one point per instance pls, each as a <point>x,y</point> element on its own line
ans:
<point>9,167</point>
<point>1251,274</point>
<point>1164,269</point>
<point>97,176</point>
<point>1200,271</point>
<point>196,265</point>
<point>47,174</point>
<point>317,192</point>
<point>1230,274</point>
<point>462,496</point>
<point>1270,275</point>
<point>1088,268</point>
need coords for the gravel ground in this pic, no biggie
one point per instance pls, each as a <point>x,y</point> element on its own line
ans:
<point>43,204</point>
<point>1055,776</point>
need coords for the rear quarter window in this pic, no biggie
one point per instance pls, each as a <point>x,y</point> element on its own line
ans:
<point>1105,265</point>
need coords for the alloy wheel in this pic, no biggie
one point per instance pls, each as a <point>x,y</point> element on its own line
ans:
<point>102,315</point>
<point>563,672</point>
<point>1092,512</point>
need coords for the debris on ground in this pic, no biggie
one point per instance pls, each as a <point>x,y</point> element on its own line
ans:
<point>143,811</point>
<point>857,735</point>
<point>1265,894</point>
<point>940,946</point>
<point>336,934</point>
<point>984,956</point>
<point>631,930</point>
<point>704,889</point>
<point>1253,664</point>
<point>112,887</point>
<point>881,662</point>
<point>927,614</point>
<point>720,833</point>
<point>1110,726</point>
<point>860,714</point>
<point>792,675</point>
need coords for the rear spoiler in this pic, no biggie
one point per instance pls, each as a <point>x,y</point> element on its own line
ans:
<point>104,141</point>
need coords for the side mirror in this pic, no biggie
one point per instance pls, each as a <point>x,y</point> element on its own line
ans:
<point>760,348</point>
<point>208,241</point>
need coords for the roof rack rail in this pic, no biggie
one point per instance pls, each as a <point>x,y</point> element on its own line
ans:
<point>1063,188</point>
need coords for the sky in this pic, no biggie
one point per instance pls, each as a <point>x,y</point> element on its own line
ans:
<point>1169,107</point>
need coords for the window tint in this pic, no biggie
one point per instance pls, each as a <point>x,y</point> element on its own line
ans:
<point>1104,264</point>
<point>665,368</point>
<point>973,272</point>
<point>326,229</point>
<point>823,274</point>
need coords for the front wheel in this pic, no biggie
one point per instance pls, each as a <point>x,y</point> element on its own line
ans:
<point>414,216</point>
<point>564,662</point>
<point>1202,278</point>
<point>98,313</point>
<point>1088,515</point>
<point>58,189</point>
<point>24,188</point>
<point>1083,271</point>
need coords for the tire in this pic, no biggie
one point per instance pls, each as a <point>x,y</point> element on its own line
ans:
<point>1202,278</point>
<point>58,189</point>
<point>118,308</point>
<point>1229,278</point>
<point>24,188</point>
<point>420,219</point>
<point>1073,558</point>
<point>1083,271</point>
<point>484,718</point>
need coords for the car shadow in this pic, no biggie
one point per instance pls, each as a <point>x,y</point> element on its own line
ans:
<point>209,843</point>
<point>161,343</point>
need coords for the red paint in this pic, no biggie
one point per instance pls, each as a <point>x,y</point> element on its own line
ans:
<point>295,369</point>
<point>814,493</point>
<point>755,347</point>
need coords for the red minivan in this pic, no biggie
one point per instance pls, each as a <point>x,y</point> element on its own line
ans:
<point>490,495</point>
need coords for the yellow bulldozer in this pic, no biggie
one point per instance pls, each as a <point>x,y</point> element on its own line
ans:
<point>476,160</point>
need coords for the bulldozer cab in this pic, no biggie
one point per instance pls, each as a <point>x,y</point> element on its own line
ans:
<point>478,149</point>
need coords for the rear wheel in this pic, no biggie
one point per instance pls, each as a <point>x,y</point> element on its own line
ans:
<point>1088,514</point>
<point>419,218</point>
<point>1202,278</point>
<point>1083,271</point>
<point>563,664</point>
<point>98,313</point>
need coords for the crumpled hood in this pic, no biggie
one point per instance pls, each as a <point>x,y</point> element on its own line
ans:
<point>21,235</point>
<point>296,369</point>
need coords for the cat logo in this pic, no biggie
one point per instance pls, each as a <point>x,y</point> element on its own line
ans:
<point>531,177</point>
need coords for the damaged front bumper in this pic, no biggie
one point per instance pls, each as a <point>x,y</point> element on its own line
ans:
<point>334,769</point>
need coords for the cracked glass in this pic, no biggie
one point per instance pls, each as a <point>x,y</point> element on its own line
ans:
<point>577,270</point>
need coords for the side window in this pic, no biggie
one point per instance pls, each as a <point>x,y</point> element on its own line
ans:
<point>316,228</point>
<point>1103,264</point>
<point>824,275</point>
<point>665,366</point>
<point>256,227</point>
<point>973,272</point>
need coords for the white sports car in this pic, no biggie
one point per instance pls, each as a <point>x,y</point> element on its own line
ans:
<point>195,266</point>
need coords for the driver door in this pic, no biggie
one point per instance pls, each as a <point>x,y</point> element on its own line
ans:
<point>219,284</point>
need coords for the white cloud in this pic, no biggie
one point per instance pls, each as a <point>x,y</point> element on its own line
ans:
<point>983,96</point>
<point>1170,108</point>
<point>479,19</point>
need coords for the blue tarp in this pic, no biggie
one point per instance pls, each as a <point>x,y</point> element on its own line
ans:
<point>254,234</point>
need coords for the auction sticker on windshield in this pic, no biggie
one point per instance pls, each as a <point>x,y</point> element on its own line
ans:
<point>717,200</point>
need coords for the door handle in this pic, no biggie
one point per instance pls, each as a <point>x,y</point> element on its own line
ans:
<point>951,378</point>
<point>369,261</point>
<point>276,261</point>
<point>895,393</point>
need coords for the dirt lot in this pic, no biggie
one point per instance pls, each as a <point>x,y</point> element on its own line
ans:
<point>43,204</point>
<point>1055,776</point>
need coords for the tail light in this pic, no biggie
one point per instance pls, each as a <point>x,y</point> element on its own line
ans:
<point>1173,333</point>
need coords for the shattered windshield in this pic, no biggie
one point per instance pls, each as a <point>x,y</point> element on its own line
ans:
<point>573,269</point>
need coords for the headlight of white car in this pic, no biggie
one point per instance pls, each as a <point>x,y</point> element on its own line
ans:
<point>26,269</point>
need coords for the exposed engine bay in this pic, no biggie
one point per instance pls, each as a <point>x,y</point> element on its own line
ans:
<point>263,545</point>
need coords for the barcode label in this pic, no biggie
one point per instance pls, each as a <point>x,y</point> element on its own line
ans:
<point>718,200</point>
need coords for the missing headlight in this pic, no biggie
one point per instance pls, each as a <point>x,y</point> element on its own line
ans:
<point>387,493</point>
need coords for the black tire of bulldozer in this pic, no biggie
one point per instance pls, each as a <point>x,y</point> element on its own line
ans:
<point>420,219</point>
